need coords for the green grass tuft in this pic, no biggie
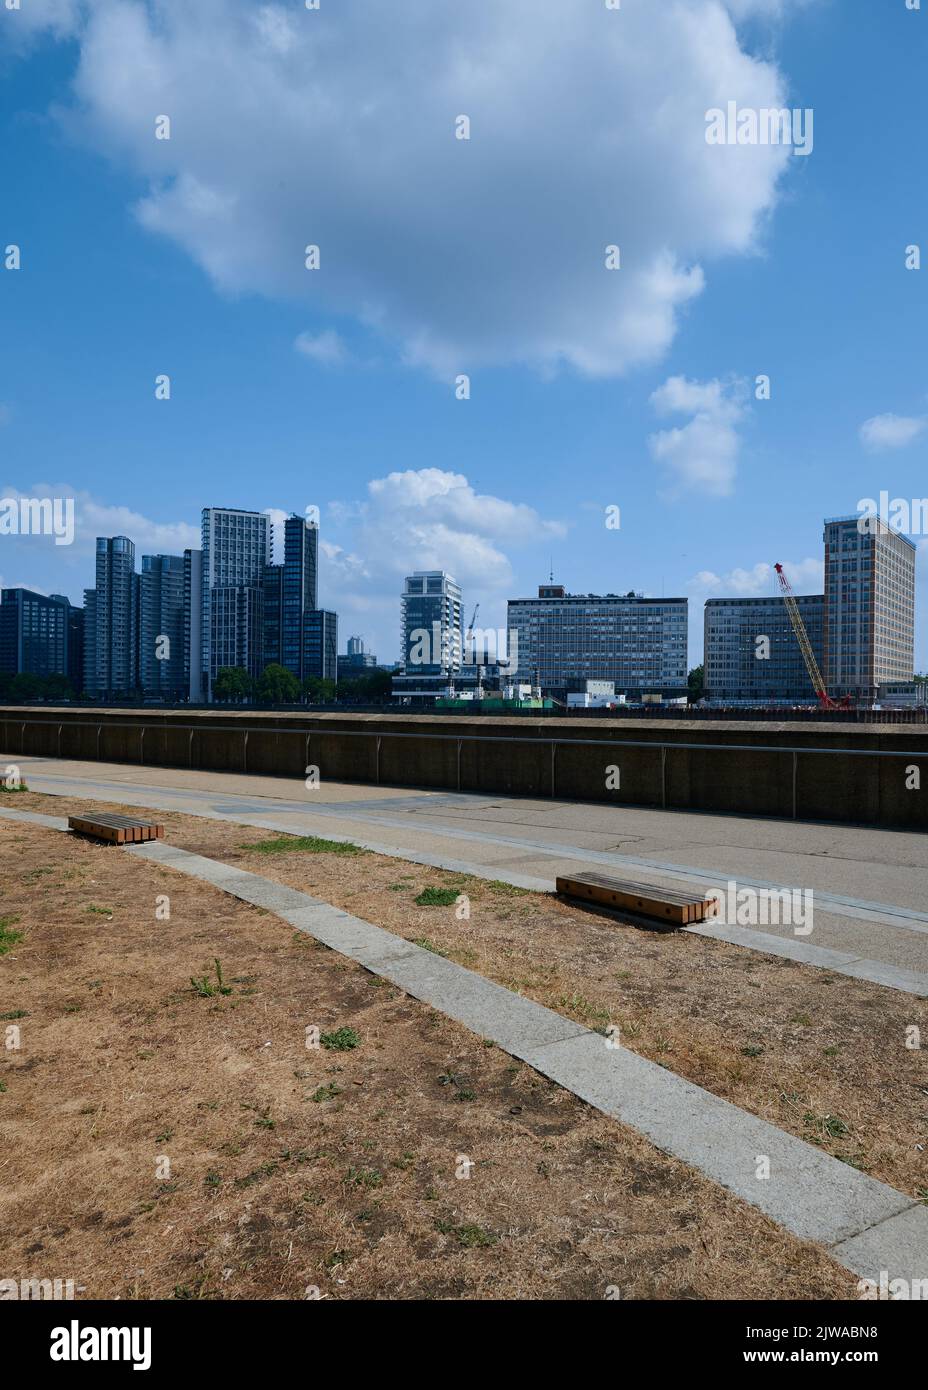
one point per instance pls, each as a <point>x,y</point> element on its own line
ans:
<point>470,1236</point>
<point>8,937</point>
<point>328,1092</point>
<point>342,1040</point>
<point>508,890</point>
<point>302,844</point>
<point>437,897</point>
<point>428,945</point>
<point>204,987</point>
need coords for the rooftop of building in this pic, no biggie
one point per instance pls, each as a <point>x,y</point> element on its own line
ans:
<point>857,517</point>
<point>595,598</point>
<point>769,598</point>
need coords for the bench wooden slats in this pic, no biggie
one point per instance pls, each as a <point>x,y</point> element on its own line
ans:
<point>667,905</point>
<point>116,830</point>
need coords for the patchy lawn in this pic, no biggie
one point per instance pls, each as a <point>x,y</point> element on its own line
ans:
<point>821,1055</point>
<point>168,1133</point>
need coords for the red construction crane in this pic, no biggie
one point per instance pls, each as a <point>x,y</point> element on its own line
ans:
<point>805,646</point>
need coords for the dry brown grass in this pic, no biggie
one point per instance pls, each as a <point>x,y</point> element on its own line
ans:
<point>830,1046</point>
<point>271,1191</point>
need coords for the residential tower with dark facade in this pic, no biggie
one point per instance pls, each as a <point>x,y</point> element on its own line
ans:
<point>111,638</point>
<point>35,634</point>
<point>162,622</point>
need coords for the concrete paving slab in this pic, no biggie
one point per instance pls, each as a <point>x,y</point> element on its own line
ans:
<point>210,870</point>
<point>897,1246</point>
<point>808,1191</point>
<point>34,818</point>
<point>491,1011</point>
<point>252,888</point>
<point>351,936</point>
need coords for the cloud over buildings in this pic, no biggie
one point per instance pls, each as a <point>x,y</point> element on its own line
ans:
<point>335,128</point>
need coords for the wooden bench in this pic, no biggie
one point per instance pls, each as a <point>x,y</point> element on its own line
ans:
<point>116,830</point>
<point>665,905</point>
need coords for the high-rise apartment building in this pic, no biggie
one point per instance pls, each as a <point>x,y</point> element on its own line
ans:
<point>297,633</point>
<point>236,546</point>
<point>89,673</point>
<point>869,634</point>
<point>75,671</point>
<point>34,633</point>
<point>320,644</point>
<point>237,617</point>
<point>299,594</point>
<point>161,640</point>
<point>272,589</point>
<point>111,661</point>
<point>193,625</point>
<point>559,641</point>
<point>752,655</point>
<point>432,634</point>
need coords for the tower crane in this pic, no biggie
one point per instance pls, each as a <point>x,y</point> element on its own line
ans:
<point>805,646</point>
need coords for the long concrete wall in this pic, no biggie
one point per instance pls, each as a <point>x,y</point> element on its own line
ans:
<point>839,772</point>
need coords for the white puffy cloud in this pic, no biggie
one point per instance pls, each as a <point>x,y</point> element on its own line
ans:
<point>441,499</point>
<point>805,576</point>
<point>702,455</point>
<point>150,537</point>
<point>335,127</point>
<point>69,569</point>
<point>428,518</point>
<point>420,519</point>
<point>94,518</point>
<point>891,431</point>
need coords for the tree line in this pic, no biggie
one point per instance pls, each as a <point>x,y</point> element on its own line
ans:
<point>278,686</point>
<point>233,685</point>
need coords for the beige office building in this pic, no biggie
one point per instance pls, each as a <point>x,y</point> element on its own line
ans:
<point>869,633</point>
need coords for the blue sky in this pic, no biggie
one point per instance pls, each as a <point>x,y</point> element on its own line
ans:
<point>336,388</point>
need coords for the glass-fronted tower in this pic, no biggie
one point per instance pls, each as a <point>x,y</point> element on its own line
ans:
<point>111,662</point>
<point>161,642</point>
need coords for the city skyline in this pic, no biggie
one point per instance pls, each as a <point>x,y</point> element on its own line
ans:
<point>242,612</point>
<point>275,522</point>
<point>339,390</point>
